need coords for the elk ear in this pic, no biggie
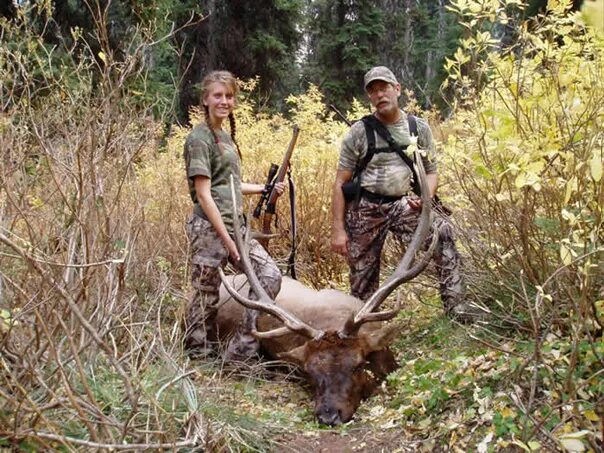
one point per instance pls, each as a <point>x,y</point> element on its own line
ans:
<point>296,355</point>
<point>382,338</point>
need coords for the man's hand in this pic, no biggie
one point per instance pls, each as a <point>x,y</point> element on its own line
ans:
<point>414,202</point>
<point>232,249</point>
<point>339,238</point>
<point>339,242</point>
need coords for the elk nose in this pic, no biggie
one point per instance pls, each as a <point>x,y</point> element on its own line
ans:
<point>329,416</point>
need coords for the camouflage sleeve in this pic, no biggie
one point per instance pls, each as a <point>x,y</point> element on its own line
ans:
<point>353,147</point>
<point>197,156</point>
<point>426,142</point>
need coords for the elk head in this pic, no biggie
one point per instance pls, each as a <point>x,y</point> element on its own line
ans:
<point>343,366</point>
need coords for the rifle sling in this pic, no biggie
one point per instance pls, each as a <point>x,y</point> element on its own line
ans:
<point>291,261</point>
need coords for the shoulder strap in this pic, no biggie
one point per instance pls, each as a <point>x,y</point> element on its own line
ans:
<point>373,126</point>
<point>412,125</point>
<point>379,127</point>
<point>369,133</point>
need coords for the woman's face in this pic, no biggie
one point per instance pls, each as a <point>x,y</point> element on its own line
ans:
<point>220,101</point>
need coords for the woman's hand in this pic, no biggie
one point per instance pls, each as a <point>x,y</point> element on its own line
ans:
<point>250,188</point>
<point>280,188</point>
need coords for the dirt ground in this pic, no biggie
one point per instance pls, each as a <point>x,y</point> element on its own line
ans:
<point>363,439</point>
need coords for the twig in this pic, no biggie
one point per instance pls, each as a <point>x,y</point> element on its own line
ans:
<point>86,443</point>
<point>73,266</point>
<point>497,348</point>
<point>176,379</point>
<point>538,425</point>
<point>79,315</point>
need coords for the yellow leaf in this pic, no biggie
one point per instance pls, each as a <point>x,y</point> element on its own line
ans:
<point>103,57</point>
<point>571,186</point>
<point>565,254</point>
<point>596,168</point>
<point>534,445</point>
<point>576,434</point>
<point>569,216</point>
<point>507,412</point>
<point>521,445</point>
<point>520,181</point>
<point>423,424</point>
<point>574,445</point>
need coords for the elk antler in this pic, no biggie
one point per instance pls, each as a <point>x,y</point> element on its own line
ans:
<point>403,272</point>
<point>264,302</point>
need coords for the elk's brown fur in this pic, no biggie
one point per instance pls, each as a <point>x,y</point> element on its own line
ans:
<point>342,371</point>
<point>336,340</point>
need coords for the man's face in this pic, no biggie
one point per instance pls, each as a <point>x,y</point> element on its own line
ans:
<point>384,97</point>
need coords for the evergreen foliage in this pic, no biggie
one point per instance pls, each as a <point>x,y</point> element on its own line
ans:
<point>346,38</point>
<point>250,39</point>
<point>286,44</point>
<point>343,40</point>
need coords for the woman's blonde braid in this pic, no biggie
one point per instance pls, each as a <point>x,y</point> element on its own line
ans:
<point>233,132</point>
<point>206,112</point>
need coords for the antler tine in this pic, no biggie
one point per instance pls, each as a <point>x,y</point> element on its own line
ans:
<point>403,272</point>
<point>264,302</point>
<point>289,320</point>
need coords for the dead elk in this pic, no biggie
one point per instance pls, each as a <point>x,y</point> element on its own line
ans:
<point>337,341</point>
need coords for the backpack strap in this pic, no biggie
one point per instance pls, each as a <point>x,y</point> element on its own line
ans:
<point>369,132</point>
<point>412,125</point>
<point>373,126</point>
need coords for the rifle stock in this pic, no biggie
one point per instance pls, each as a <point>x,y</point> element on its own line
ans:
<point>271,203</point>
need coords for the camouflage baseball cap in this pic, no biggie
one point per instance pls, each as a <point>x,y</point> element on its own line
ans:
<point>379,73</point>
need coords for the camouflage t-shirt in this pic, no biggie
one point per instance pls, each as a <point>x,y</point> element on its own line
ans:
<point>387,174</point>
<point>218,161</point>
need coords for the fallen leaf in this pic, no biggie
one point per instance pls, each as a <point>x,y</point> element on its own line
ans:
<point>484,443</point>
<point>591,416</point>
<point>574,445</point>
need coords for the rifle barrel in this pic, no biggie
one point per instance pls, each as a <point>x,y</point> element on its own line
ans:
<point>283,168</point>
<point>340,114</point>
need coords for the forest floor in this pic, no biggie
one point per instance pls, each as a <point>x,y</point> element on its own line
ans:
<point>449,394</point>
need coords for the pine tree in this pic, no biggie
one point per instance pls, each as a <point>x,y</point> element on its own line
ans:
<point>247,38</point>
<point>343,38</point>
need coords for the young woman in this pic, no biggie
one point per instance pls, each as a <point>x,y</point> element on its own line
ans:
<point>211,157</point>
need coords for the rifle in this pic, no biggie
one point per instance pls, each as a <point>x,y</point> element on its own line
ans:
<point>269,195</point>
<point>268,187</point>
<point>340,115</point>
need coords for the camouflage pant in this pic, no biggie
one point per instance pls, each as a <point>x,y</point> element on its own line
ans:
<point>367,226</point>
<point>208,254</point>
